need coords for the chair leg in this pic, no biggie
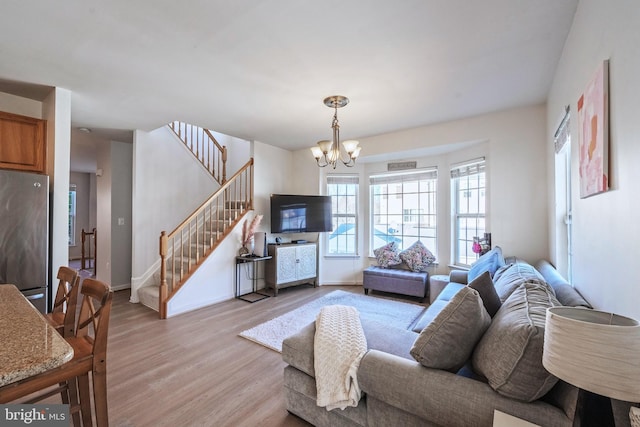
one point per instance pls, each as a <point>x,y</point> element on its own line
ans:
<point>64,394</point>
<point>100,397</point>
<point>72,399</point>
<point>85,400</point>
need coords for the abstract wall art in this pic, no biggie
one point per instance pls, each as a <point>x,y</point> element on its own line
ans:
<point>593,134</point>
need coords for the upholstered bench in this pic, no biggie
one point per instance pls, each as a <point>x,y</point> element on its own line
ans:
<point>397,281</point>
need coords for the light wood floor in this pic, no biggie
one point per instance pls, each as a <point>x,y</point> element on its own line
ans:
<point>194,369</point>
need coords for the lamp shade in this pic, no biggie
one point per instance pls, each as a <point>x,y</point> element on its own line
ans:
<point>325,145</point>
<point>317,152</point>
<point>350,145</point>
<point>593,350</point>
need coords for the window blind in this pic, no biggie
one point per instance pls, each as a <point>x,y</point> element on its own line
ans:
<point>563,133</point>
<point>342,179</point>
<point>397,178</point>
<point>472,167</point>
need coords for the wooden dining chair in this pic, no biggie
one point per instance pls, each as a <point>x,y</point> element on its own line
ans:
<point>63,315</point>
<point>89,357</point>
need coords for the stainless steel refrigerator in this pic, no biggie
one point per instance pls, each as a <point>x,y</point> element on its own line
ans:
<point>24,234</point>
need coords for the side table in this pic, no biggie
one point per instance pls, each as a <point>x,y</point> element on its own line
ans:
<point>254,295</point>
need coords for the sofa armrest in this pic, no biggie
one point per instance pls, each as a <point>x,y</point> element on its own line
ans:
<point>442,397</point>
<point>458,276</point>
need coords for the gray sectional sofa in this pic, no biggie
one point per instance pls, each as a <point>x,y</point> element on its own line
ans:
<point>444,372</point>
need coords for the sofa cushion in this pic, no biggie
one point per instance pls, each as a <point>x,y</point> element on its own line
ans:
<point>515,275</point>
<point>566,294</point>
<point>297,349</point>
<point>459,276</point>
<point>509,355</point>
<point>484,285</point>
<point>491,261</point>
<point>449,291</point>
<point>448,341</point>
<point>387,255</point>
<point>417,257</point>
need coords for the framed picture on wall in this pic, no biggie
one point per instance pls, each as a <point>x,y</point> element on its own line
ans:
<point>593,134</point>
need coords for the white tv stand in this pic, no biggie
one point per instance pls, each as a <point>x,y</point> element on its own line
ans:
<point>291,264</point>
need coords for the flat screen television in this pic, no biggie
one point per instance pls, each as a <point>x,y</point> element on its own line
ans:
<point>300,214</point>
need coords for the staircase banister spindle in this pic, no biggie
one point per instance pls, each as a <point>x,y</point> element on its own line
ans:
<point>213,197</point>
<point>163,292</point>
<point>214,140</point>
<point>204,146</point>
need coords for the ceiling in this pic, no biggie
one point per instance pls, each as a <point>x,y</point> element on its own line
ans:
<point>259,70</point>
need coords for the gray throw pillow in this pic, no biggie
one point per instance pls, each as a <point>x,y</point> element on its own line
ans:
<point>509,355</point>
<point>514,276</point>
<point>448,341</point>
<point>484,285</point>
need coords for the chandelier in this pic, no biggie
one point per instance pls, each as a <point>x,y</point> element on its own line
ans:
<point>328,152</point>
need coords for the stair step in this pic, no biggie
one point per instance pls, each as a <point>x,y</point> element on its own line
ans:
<point>150,296</point>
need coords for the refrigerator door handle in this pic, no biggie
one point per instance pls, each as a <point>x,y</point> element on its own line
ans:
<point>35,296</point>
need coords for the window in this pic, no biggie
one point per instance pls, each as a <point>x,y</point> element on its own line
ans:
<point>564,238</point>
<point>403,208</point>
<point>469,209</point>
<point>343,240</point>
<point>72,215</point>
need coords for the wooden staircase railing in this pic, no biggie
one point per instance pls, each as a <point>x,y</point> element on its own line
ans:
<point>185,248</point>
<point>204,146</point>
<point>85,260</point>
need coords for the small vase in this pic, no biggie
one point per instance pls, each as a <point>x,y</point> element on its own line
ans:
<point>243,251</point>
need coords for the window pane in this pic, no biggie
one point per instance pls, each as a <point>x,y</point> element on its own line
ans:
<point>409,212</point>
<point>72,215</point>
<point>469,208</point>
<point>344,207</point>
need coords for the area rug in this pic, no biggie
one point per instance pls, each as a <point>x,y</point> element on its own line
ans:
<point>394,313</point>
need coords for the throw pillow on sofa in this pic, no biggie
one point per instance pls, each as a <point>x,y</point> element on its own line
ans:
<point>491,262</point>
<point>448,341</point>
<point>417,257</point>
<point>509,355</point>
<point>484,285</point>
<point>387,255</point>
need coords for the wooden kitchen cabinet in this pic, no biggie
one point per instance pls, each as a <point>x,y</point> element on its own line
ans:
<point>22,143</point>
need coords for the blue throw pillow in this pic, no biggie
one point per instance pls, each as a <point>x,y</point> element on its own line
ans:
<point>491,262</point>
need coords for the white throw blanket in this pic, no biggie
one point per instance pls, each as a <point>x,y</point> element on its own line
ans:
<point>339,345</point>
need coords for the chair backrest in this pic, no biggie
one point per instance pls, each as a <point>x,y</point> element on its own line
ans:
<point>67,298</point>
<point>95,312</point>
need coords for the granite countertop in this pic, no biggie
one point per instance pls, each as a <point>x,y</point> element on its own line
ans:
<point>29,345</point>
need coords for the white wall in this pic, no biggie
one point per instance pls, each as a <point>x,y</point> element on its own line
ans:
<point>56,109</point>
<point>168,185</point>
<point>103,212</point>
<point>606,233</point>
<point>238,151</point>
<point>121,231</point>
<point>19,105</point>
<point>513,143</point>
